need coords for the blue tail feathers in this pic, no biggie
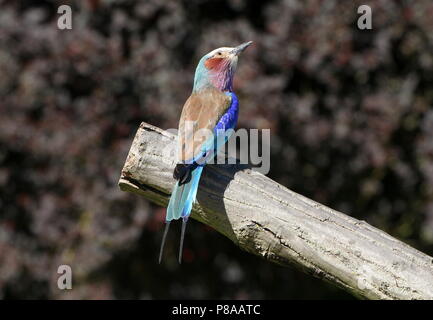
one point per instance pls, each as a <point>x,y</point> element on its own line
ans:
<point>183,197</point>
<point>180,205</point>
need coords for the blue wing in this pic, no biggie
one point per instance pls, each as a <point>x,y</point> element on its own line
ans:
<point>222,131</point>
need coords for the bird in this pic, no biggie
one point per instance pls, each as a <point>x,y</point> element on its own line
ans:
<point>208,118</point>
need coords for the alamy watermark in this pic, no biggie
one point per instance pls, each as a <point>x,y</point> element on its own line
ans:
<point>365,20</point>
<point>65,20</point>
<point>249,147</point>
<point>64,282</point>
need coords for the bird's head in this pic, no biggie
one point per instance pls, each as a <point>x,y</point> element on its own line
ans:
<point>217,68</point>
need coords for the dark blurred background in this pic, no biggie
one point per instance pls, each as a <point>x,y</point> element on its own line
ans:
<point>349,111</point>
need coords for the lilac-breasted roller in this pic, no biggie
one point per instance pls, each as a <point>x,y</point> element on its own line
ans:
<point>207,120</point>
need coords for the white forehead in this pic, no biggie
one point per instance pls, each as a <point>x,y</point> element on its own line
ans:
<point>222,49</point>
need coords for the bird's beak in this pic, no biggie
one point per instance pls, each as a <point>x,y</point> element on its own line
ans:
<point>236,51</point>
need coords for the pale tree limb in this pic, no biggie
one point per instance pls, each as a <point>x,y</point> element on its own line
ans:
<point>271,221</point>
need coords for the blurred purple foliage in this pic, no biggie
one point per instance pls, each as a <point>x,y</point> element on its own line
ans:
<point>349,111</point>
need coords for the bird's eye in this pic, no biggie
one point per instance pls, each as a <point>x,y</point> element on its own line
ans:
<point>218,53</point>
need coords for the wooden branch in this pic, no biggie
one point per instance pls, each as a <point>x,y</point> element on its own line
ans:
<point>271,221</point>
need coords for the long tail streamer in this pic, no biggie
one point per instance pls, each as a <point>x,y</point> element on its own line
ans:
<point>180,206</point>
<point>182,237</point>
<point>167,226</point>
